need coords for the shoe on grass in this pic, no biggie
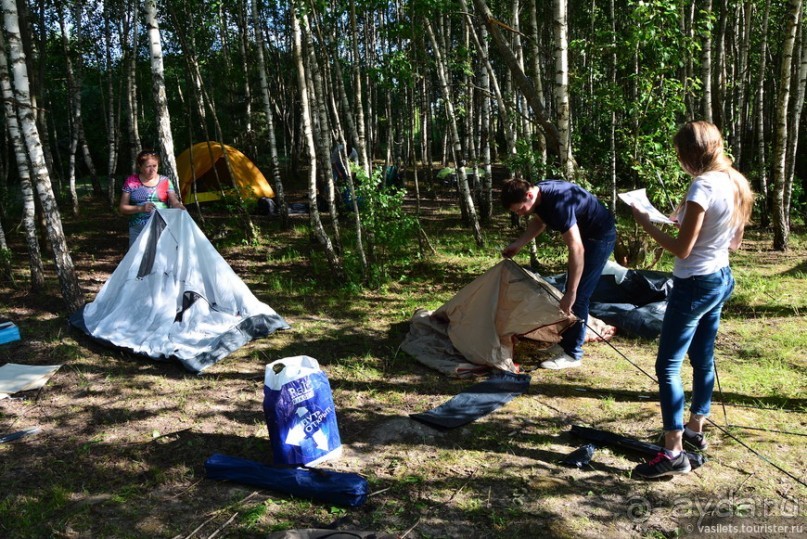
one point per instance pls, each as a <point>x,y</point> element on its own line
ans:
<point>696,441</point>
<point>561,361</point>
<point>661,465</point>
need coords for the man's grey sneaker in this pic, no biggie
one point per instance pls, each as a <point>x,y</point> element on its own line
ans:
<point>561,361</point>
<point>696,441</point>
<point>662,464</point>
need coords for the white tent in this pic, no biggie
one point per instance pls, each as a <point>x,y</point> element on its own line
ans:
<point>174,296</point>
<point>479,326</point>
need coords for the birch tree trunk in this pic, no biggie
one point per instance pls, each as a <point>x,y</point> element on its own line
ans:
<point>167,159</point>
<point>706,61</point>
<point>760,125</point>
<point>465,194</point>
<point>536,71</point>
<point>113,130</point>
<point>720,73</point>
<point>523,82</point>
<point>562,88</point>
<point>130,62</point>
<point>321,130</point>
<point>75,108</point>
<point>309,149</point>
<point>741,86</point>
<point>796,109</point>
<point>780,221</point>
<point>277,182</point>
<point>24,169</point>
<point>361,142</point>
<point>71,290</point>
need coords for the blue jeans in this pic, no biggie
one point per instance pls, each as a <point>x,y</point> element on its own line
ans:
<point>596,255</point>
<point>690,325</point>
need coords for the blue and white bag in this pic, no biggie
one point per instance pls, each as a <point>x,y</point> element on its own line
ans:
<point>300,413</point>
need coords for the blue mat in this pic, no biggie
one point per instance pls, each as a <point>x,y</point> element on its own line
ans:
<point>476,401</point>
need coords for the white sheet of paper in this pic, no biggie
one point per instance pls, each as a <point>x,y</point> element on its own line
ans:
<point>639,199</point>
<point>15,377</point>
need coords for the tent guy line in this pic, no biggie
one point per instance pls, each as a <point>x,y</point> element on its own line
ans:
<point>711,422</point>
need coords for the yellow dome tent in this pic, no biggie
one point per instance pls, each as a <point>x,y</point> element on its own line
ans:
<point>247,176</point>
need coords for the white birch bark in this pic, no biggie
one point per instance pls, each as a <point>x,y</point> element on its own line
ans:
<point>24,170</point>
<point>358,100</point>
<point>168,163</point>
<point>796,109</point>
<point>310,149</point>
<point>71,290</point>
<point>780,222</point>
<point>456,145</point>
<point>277,182</point>
<point>130,66</point>
<point>760,124</point>
<point>562,102</point>
<point>706,62</point>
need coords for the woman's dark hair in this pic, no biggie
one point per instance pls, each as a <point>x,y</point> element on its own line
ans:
<point>146,154</point>
<point>514,191</point>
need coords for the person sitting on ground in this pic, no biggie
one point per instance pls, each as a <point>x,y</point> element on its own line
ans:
<point>711,221</point>
<point>145,192</point>
<point>588,230</point>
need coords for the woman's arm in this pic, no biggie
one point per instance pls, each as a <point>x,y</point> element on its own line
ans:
<point>127,208</point>
<point>681,246</point>
<point>174,202</point>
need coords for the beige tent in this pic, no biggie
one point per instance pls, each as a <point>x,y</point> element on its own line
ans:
<point>479,325</point>
<point>205,162</point>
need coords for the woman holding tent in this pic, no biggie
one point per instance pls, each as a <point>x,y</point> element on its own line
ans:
<point>711,221</point>
<point>145,192</point>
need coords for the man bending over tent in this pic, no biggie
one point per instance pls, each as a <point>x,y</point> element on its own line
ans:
<point>587,229</point>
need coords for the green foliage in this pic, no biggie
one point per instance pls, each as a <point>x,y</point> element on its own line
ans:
<point>527,161</point>
<point>389,230</point>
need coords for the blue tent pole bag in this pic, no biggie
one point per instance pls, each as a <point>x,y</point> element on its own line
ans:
<point>337,488</point>
<point>300,413</point>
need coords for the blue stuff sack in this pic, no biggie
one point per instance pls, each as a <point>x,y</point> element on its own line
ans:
<point>300,413</point>
<point>338,488</point>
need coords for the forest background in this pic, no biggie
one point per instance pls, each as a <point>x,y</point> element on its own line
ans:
<point>590,91</point>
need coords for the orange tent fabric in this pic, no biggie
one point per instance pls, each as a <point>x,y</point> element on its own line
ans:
<point>208,160</point>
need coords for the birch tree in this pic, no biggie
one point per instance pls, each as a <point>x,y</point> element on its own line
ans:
<point>71,290</point>
<point>796,110</point>
<point>780,219</point>
<point>274,161</point>
<point>24,171</point>
<point>561,89</point>
<point>310,149</point>
<point>706,60</point>
<point>166,139</point>
<point>465,194</point>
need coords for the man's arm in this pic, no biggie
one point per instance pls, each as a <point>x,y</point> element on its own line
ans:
<point>534,229</point>
<point>577,252</point>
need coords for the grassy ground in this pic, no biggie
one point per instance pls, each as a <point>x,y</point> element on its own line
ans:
<point>124,438</point>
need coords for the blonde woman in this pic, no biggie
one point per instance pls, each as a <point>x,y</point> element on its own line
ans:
<point>711,221</point>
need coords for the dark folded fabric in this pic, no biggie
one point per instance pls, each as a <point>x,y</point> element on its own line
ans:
<point>476,401</point>
<point>338,488</point>
<point>580,457</point>
<point>603,437</point>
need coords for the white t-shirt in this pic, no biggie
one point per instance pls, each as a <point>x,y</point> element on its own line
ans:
<point>714,192</point>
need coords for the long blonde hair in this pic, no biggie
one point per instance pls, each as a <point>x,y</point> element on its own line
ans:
<point>700,149</point>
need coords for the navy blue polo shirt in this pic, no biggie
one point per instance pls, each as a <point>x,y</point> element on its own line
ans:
<point>565,204</point>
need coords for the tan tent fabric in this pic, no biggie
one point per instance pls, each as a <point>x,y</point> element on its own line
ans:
<point>247,176</point>
<point>486,316</point>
